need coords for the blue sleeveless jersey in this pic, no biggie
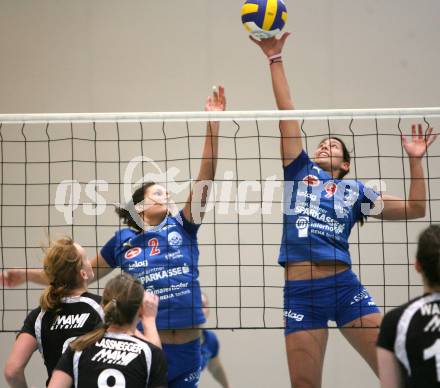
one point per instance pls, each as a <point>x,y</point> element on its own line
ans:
<point>319,213</point>
<point>165,259</point>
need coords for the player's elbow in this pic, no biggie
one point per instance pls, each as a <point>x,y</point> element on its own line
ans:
<point>418,210</point>
<point>13,373</point>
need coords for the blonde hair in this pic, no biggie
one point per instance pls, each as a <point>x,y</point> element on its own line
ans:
<point>121,299</point>
<point>62,265</point>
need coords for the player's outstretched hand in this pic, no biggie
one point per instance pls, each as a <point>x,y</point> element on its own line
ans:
<point>216,102</point>
<point>149,306</point>
<point>271,46</point>
<point>13,277</point>
<point>420,141</point>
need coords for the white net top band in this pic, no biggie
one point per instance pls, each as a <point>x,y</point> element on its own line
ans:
<point>325,114</point>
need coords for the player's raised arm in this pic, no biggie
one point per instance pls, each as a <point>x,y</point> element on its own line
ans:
<point>147,315</point>
<point>195,205</point>
<point>291,142</point>
<point>397,208</point>
<point>14,277</point>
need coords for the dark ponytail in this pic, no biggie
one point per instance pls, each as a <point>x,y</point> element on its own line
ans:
<point>124,212</point>
<point>346,157</point>
<point>428,254</point>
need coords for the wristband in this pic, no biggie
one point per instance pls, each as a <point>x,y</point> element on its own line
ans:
<point>275,61</point>
<point>276,56</point>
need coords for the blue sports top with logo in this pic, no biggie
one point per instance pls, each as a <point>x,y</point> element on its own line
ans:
<point>319,213</point>
<point>165,259</point>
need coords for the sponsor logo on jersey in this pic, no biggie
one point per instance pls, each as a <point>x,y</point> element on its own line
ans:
<point>174,255</point>
<point>164,274</point>
<point>302,224</point>
<point>138,264</point>
<point>317,169</point>
<point>305,194</point>
<point>114,357</point>
<point>433,324</point>
<point>132,253</point>
<point>311,180</point>
<point>330,189</point>
<point>116,352</point>
<point>325,223</point>
<point>71,321</point>
<point>175,239</point>
<point>430,309</point>
<point>350,196</point>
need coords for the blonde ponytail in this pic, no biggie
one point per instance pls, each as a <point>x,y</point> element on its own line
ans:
<point>62,266</point>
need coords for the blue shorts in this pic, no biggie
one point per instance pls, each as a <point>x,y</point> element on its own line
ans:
<point>183,364</point>
<point>310,304</point>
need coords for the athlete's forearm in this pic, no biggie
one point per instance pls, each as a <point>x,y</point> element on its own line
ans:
<point>416,205</point>
<point>291,138</point>
<point>208,165</point>
<point>150,331</point>
<point>37,276</point>
<point>281,87</point>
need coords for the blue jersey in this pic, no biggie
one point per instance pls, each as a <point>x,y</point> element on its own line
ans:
<point>210,347</point>
<point>319,213</point>
<point>165,259</point>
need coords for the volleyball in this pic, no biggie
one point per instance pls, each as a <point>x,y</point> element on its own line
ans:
<point>264,18</point>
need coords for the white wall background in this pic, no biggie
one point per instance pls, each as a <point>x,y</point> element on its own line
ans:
<point>94,56</point>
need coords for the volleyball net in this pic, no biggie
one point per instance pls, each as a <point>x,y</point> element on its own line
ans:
<point>62,174</point>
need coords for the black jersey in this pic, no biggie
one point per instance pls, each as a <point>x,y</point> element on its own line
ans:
<point>412,333</point>
<point>116,360</point>
<point>53,331</point>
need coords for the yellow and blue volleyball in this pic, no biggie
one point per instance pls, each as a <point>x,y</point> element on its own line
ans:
<point>264,18</point>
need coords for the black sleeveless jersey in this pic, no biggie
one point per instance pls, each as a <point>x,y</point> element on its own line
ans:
<point>54,331</point>
<point>412,333</point>
<point>116,360</point>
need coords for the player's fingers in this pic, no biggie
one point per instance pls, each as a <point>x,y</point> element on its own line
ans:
<point>431,139</point>
<point>4,277</point>
<point>221,91</point>
<point>420,134</point>
<point>284,37</point>
<point>256,41</point>
<point>222,96</point>
<point>215,94</point>
<point>428,134</point>
<point>413,132</point>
